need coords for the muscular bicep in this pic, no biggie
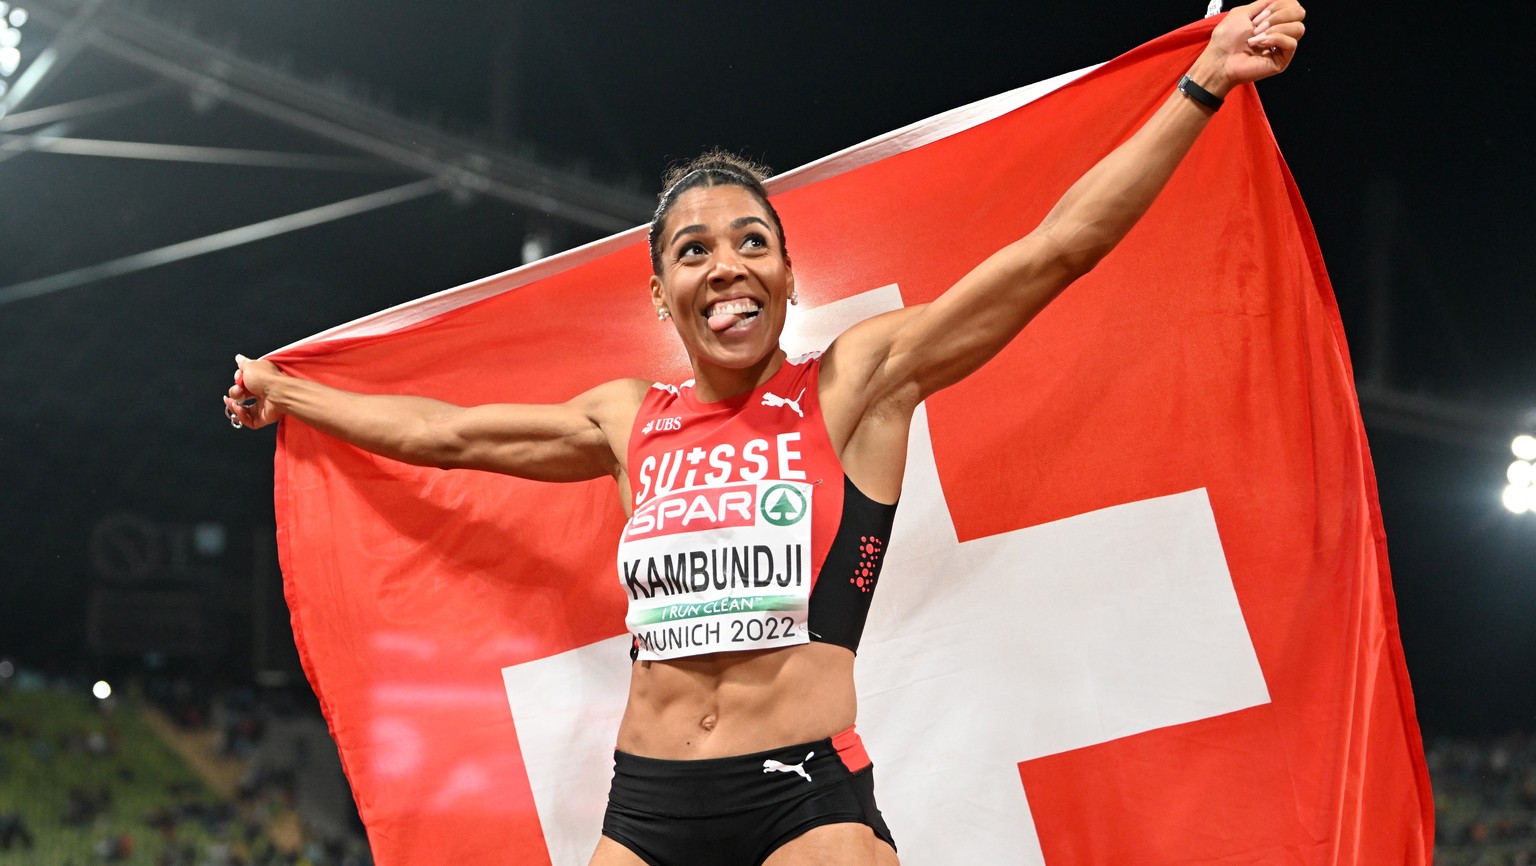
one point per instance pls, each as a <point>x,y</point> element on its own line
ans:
<point>580,439</point>
<point>545,443</point>
<point>942,342</point>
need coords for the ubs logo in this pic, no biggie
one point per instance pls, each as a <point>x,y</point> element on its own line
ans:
<point>661,425</point>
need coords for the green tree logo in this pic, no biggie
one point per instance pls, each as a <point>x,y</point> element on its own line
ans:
<point>783,505</point>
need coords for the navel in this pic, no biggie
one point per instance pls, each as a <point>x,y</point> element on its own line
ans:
<point>708,722</point>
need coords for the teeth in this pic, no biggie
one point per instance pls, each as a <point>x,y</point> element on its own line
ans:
<point>740,306</point>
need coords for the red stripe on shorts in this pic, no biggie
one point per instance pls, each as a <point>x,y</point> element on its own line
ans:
<point>851,749</point>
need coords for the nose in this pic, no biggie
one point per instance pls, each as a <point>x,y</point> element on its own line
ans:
<point>725,268</point>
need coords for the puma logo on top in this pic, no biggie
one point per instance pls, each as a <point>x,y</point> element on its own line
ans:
<point>772,766</point>
<point>776,400</point>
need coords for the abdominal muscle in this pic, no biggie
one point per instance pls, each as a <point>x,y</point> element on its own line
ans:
<point>736,703</point>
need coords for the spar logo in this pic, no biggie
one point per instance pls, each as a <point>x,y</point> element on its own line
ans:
<point>782,505</point>
<point>692,511</point>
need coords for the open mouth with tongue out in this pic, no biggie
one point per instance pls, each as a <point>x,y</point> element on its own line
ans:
<point>733,314</point>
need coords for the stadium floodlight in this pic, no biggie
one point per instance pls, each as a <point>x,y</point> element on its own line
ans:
<point>11,21</point>
<point>102,690</point>
<point>1524,447</point>
<point>536,245</point>
<point>1521,473</point>
<point>1520,496</point>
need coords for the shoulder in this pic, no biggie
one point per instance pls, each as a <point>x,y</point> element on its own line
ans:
<point>870,340</point>
<point>858,359</point>
<point>854,378</point>
<point>617,391</point>
<point>614,400</point>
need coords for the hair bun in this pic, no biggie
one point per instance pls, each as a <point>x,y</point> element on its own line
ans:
<point>716,159</point>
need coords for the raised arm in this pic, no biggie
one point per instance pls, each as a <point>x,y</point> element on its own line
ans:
<point>580,439</point>
<point>932,347</point>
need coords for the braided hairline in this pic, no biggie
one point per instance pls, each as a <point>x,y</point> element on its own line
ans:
<point>664,203</point>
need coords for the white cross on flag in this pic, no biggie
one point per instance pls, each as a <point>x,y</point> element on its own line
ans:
<point>1136,607</point>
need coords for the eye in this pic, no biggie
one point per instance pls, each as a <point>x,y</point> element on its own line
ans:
<point>690,249</point>
<point>754,241</point>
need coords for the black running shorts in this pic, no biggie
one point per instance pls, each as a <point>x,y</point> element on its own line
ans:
<point>737,811</point>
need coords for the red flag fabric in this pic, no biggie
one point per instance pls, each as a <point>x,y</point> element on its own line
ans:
<point>1136,608</point>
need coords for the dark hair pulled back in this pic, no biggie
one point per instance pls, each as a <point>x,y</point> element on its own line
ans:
<point>717,167</point>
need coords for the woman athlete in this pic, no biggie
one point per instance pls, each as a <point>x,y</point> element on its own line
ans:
<point>727,754</point>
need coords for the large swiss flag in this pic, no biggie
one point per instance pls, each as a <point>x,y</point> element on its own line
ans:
<point>1137,606</point>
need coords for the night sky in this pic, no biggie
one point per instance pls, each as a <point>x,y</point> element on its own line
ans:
<point>1406,128</point>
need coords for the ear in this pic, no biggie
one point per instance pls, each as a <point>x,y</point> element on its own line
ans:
<point>658,301</point>
<point>789,280</point>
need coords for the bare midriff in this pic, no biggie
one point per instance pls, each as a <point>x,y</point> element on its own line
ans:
<point>737,703</point>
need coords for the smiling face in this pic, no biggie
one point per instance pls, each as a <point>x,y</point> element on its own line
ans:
<point>725,281</point>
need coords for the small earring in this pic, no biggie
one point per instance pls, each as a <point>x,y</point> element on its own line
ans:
<point>794,296</point>
<point>662,315</point>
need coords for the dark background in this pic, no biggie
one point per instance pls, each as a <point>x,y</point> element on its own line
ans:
<point>124,491</point>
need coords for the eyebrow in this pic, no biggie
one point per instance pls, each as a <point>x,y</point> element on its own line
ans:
<point>735,224</point>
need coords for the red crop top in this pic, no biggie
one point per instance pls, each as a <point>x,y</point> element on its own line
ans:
<point>745,534</point>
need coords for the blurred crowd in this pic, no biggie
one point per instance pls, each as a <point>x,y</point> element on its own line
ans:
<point>1485,800</point>
<point>84,781</point>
